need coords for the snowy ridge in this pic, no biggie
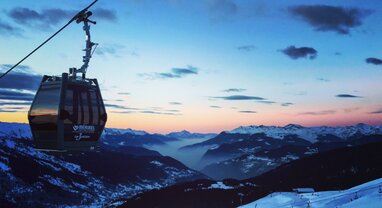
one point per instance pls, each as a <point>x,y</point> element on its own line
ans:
<point>113,131</point>
<point>367,195</point>
<point>309,133</point>
<point>20,130</point>
<point>188,135</point>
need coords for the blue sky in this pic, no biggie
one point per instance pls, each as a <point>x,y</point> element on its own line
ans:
<point>167,65</point>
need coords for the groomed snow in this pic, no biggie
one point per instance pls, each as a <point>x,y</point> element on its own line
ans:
<point>367,195</point>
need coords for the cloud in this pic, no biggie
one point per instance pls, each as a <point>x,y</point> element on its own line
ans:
<point>302,52</point>
<point>286,104</point>
<point>347,96</point>
<point>9,30</point>
<point>240,97</point>
<point>175,73</point>
<point>43,19</point>
<point>159,113</point>
<point>247,111</point>
<point>323,80</point>
<point>330,18</point>
<point>175,103</point>
<point>22,78</point>
<point>374,61</point>
<point>119,107</point>
<point>376,112</point>
<point>48,18</point>
<point>15,103</point>
<point>7,94</point>
<point>215,106</point>
<point>318,113</point>
<point>234,90</point>
<point>266,102</point>
<point>123,93</point>
<point>115,50</point>
<point>246,48</point>
<point>350,110</point>
<point>105,14</point>
<point>221,9</point>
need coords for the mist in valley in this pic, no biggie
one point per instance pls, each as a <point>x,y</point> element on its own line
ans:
<point>189,157</point>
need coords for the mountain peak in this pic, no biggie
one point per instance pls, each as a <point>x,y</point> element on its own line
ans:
<point>294,126</point>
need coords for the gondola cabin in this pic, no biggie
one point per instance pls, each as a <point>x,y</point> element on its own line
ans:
<point>67,113</point>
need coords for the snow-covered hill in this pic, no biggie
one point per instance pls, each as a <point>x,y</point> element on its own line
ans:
<point>309,133</point>
<point>367,195</point>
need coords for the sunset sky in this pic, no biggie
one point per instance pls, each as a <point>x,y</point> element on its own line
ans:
<point>205,65</point>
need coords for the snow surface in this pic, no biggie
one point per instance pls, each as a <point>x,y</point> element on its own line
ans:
<point>309,133</point>
<point>367,195</point>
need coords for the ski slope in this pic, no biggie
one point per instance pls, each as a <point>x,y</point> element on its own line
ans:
<point>367,195</point>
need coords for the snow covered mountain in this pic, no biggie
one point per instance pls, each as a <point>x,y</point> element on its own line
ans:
<point>309,133</point>
<point>260,154</point>
<point>31,178</point>
<point>367,195</point>
<point>188,135</point>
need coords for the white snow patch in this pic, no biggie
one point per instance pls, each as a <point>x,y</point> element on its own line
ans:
<point>219,185</point>
<point>4,167</point>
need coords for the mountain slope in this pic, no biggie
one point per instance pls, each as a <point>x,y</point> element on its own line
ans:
<point>260,160</point>
<point>33,178</point>
<point>331,170</point>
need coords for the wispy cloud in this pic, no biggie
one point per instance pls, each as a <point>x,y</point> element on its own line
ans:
<point>318,113</point>
<point>221,9</point>
<point>234,90</point>
<point>175,73</point>
<point>9,30</point>
<point>300,52</point>
<point>105,14</point>
<point>374,61</point>
<point>347,96</point>
<point>330,18</point>
<point>246,48</point>
<point>350,110</point>
<point>110,49</point>
<point>322,79</point>
<point>215,106</point>
<point>266,102</point>
<point>247,111</point>
<point>124,93</point>
<point>115,106</point>
<point>7,94</point>
<point>240,97</point>
<point>15,103</point>
<point>175,103</point>
<point>379,111</point>
<point>22,78</point>
<point>286,104</point>
<point>159,113</point>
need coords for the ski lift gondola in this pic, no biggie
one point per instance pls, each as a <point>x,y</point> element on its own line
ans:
<point>67,112</point>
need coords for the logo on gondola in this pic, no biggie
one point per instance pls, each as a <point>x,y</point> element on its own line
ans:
<point>81,136</point>
<point>83,129</point>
